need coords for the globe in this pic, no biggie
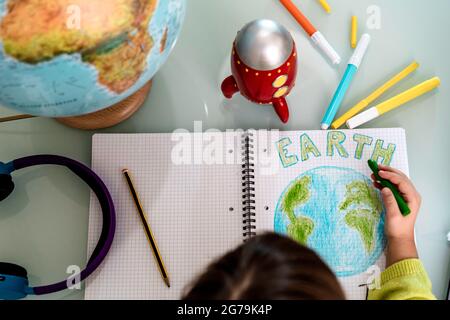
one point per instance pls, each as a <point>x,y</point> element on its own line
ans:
<point>72,57</point>
<point>338,213</point>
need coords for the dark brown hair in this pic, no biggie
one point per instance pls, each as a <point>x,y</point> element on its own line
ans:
<point>267,267</point>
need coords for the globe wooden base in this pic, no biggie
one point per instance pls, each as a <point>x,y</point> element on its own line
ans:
<point>112,115</point>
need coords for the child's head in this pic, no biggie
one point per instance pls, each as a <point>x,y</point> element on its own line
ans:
<point>264,268</point>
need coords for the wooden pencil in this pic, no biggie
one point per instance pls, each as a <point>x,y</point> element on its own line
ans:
<point>148,232</point>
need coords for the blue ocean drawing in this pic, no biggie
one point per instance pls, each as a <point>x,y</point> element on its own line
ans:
<point>338,213</point>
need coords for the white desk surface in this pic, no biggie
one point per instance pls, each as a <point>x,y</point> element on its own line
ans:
<point>44,224</point>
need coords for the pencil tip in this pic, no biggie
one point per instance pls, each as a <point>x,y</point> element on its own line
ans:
<point>124,170</point>
<point>166,280</point>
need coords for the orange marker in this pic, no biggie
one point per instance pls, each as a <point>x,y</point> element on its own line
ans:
<point>314,34</point>
<point>300,17</point>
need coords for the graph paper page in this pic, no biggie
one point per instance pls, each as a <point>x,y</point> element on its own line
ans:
<point>194,211</point>
<point>315,186</point>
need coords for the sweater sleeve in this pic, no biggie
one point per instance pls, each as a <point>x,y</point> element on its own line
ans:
<point>404,280</point>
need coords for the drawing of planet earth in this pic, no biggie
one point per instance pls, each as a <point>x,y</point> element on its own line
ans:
<point>72,57</point>
<point>338,213</point>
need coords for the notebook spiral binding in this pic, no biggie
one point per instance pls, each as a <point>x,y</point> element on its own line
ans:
<point>248,186</point>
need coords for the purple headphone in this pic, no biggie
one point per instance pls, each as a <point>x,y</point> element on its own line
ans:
<point>13,278</point>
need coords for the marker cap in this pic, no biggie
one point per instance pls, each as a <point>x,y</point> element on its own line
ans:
<point>321,42</point>
<point>360,50</point>
<point>363,118</point>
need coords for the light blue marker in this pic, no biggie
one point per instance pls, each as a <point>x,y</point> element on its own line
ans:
<point>352,67</point>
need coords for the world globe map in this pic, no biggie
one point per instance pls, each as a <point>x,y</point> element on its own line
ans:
<point>72,57</point>
<point>338,213</point>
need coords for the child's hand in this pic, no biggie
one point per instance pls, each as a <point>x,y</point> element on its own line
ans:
<point>399,229</point>
<point>398,226</point>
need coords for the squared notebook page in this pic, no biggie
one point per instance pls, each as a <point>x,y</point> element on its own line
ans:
<point>187,206</point>
<point>273,181</point>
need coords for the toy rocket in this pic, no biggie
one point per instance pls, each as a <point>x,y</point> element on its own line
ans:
<point>264,65</point>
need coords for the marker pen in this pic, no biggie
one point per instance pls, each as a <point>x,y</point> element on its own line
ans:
<point>316,36</point>
<point>393,103</point>
<point>352,68</point>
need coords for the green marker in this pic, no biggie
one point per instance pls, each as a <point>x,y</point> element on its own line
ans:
<point>404,209</point>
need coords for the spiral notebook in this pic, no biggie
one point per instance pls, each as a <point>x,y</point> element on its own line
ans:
<point>207,193</point>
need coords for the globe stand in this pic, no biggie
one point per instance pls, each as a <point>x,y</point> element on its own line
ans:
<point>110,116</point>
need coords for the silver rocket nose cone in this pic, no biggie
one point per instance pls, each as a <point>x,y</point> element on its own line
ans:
<point>264,44</point>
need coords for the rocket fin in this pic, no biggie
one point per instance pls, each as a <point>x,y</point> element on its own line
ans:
<point>281,108</point>
<point>229,87</point>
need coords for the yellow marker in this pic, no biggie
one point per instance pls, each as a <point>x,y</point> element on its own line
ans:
<point>374,95</point>
<point>354,33</point>
<point>325,5</point>
<point>393,103</point>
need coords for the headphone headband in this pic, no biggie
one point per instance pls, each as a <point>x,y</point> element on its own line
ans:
<point>106,203</point>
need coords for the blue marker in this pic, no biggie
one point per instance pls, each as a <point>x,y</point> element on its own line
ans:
<point>352,67</point>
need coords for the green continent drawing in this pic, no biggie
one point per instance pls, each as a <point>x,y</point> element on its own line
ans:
<point>300,227</point>
<point>363,209</point>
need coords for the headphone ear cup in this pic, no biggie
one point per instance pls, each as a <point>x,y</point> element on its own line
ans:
<point>12,269</point>
<point>6,186</point>
<point>13,281</point>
